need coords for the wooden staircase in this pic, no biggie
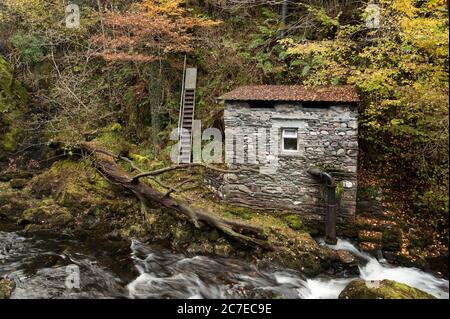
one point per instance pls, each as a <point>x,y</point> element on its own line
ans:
<point>186,119</point>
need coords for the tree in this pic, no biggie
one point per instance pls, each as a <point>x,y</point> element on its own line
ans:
<point>152,31</point>
<point>401,71</point>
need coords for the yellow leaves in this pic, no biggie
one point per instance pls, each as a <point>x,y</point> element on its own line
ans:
<point>412,47</point>
<point>172,9</point>
<point>436,3</point>
<point>405,7</point>
<point>427,34</point>
<point>324,59</point>
<point>192,22</point>
<point>307,48</point>
<point>377,80</point>
<point>36,12</point>
<point>163,7</point>
<point>428,95</point>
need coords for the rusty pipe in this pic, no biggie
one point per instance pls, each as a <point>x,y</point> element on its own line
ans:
<point>330,220</point>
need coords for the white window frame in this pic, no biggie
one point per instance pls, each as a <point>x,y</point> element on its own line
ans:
<point>285,135</point>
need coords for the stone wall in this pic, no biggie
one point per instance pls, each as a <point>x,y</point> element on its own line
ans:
<point>327,140</point>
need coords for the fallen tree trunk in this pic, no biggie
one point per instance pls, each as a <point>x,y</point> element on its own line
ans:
<point>105,163</point>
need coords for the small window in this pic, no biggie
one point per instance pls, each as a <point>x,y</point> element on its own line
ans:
<point>290,140</point>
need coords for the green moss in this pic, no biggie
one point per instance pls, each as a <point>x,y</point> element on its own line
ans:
<point>9,141</point>
<point>116,127</point>
<point>386,289</point>
<point>47,217</point>
<point>240,212</point>
<point>339,191</point>
<point>70,165</point>
<point>295,222</point>
<point>79,190</point>
<point>10,93</point>
<point>75,185</point>
<point>113,141</point>
<point>13,99</point>
<point>138,158</point>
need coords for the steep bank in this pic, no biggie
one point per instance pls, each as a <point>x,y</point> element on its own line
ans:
<point>73,199</point>
<point>13,101</point>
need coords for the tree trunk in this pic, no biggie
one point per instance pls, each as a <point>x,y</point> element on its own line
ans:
<point>105,163</point>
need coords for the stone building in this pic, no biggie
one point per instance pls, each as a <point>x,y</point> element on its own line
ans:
<point>278,133</point>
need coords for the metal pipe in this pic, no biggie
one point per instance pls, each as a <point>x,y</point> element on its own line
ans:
<point>330,221</point>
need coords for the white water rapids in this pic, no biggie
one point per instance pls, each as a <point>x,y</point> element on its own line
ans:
<point>375,270</point>
<point>203,277</point>
<point>39,267</point>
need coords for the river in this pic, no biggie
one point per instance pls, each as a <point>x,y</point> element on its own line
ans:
<point>49,267</point>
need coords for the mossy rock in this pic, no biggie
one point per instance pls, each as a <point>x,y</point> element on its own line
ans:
<point>139,158</point>
<point>295,222</point>
<point>13,204</point>
<point>72,189</point>
<point>46,217</point>
<point>385,289</point>
<point>6,288</point>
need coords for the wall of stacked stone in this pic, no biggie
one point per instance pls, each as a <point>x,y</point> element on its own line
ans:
<point>327,139</point>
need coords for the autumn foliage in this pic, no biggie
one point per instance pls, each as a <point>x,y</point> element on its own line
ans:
<point>153,29</point>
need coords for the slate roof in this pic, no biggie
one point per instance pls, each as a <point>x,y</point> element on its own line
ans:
<point>298,93</point>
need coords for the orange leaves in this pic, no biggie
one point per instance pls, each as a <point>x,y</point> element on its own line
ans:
<point>156,29</point>
<point>163,7</point>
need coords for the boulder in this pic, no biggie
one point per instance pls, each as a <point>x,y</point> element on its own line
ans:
<point>385,289</point>
<point>340,263</point>
<point>345,257</point>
